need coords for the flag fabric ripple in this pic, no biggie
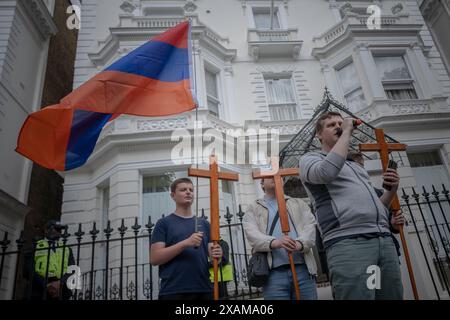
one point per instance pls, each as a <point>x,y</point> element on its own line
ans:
<point>152,80</point>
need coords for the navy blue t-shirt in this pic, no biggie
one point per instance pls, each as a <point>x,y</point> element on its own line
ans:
<point>188,272</point>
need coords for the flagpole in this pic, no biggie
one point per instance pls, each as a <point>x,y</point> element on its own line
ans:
<point>194,78</point>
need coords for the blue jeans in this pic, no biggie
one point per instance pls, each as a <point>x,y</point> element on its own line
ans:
<point>280,285</point>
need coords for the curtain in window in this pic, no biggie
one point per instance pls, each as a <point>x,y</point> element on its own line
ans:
<point>105,207</point>
<point>211,84</point>
<point>157,184</point>
<point>424,159</point>
<point>262,20</point>
<point>392,68</point>
<point>156,196</point>
<point>349,78</point>
<point>213,106</point>
<point>212,92</point>
<point>351,87</point>
<point>400,94</point>
<point>280,91</point>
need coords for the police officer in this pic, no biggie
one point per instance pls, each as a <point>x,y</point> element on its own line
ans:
<point>51,259</point>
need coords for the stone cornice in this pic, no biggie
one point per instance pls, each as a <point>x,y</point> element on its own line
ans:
<point>432,120</point>
<point>38,13</point>
<point>353,27</point>
<point>140,29</point>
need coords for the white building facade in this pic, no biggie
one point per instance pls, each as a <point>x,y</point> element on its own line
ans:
<point>26,27</point>
<point>254,72</point>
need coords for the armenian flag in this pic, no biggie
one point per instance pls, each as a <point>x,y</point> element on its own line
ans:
<point>152,80</point>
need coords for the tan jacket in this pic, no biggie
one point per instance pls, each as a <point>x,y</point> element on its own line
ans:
<point>255,226</point>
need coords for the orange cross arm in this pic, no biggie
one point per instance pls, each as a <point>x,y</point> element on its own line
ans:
<point>192,172</point>
<point>376,147</point>
<point>228,176</point>
<point>198,173</point>
<point>281,172</point>
<point>369,147</point>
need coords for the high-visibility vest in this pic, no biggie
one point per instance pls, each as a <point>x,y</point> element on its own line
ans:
<point>55,261</point>
<point>227,272</point>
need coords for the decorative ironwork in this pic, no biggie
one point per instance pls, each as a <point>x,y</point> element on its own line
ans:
<point>114,294</point>
<point>305,140</point>
<point>147,289</point>
<point>131,291</point>
<point>99,293</point>
<point>123,277</point>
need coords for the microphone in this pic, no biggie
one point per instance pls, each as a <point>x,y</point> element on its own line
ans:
<point>356,123</point>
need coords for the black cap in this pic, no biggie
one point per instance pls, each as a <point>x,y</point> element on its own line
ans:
<point>54,224</point>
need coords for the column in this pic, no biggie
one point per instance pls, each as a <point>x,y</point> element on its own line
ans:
<point>366,68</point>
<point>229,102</point>
<point>431,87</point>
<point>124,203</point>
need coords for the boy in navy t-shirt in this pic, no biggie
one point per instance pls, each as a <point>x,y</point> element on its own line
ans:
<point>180,252</point>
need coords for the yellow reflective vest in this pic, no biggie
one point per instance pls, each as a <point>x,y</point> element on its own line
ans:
<point>54,263</point>
<point>227,272</point>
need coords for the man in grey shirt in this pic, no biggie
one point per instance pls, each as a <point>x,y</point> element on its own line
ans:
<point>351,217</point>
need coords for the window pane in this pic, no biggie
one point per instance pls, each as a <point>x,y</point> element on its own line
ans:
<point>226,186</point>
<point>262,19</point>
<point>283,112</point>
<point>213,106</point>
<point>401,94</point>
<point>157,184</point>
<point>211,83</point>
<point>355,100</point>
<point>156,199</point>
<point>392,68</point>
<point>424,159</point>
<point>105,209</point>
<point>280,91</point>
<point>349,78</point>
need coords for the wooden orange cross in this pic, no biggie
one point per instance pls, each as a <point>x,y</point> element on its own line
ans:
<point>276,174</point>
<point>384,148</point>
<point>214,176</point>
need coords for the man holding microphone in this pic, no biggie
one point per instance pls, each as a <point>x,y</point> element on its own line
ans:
<point>351,217</point>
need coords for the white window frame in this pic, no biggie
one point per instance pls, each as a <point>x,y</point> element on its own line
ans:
<point>279,9</point>
<point>177,171</point>
<point>399,84</point>
<point>427,152</point>
<point>103,189</point>
<point>341,66</point>
<point>104,196</point>
<point>232,193</point>
<point>210,68</point>
<point>271,106</point>
<point>262,9</point>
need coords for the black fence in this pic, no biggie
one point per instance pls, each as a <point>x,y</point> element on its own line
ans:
<point>430,215</point>
<point>111,265</point>
<point>114,262</point>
